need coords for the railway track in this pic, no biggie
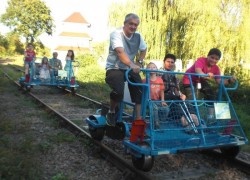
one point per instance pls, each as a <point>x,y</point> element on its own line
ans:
<point>127,170</point>
<point>190,166</point>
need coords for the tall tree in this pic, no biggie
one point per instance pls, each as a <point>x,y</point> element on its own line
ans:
<point>28,18</point>
<point>117,12</point>
<point>190,29</point>
<point>3,44</point>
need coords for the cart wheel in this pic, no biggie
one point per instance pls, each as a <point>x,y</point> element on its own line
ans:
<point>96,133</point>
<point>28,88</point>
<point>230,152</point>
<point>21,87</point>
<point>120,130</point>
<point>73,91</point>
<point>145,162</point>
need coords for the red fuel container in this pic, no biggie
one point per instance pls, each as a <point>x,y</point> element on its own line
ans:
<point>138,130</point>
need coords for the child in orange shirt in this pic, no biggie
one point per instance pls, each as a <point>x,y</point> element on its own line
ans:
<point>156,84</point>
<point>156,89</point>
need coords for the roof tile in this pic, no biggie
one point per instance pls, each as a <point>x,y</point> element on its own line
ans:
<point>76,17</point>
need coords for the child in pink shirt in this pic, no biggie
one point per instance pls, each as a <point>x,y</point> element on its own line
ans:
<point>205,65</point>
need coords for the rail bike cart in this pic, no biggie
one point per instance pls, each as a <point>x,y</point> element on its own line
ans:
<point>160,131</point>
<point>64,79</point>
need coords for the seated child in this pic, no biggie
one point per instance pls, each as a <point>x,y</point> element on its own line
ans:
<point>44,71</point>
<point>156,90</point>
<point>55,64</point>
<point>185,122</point>
<point>172,92</point>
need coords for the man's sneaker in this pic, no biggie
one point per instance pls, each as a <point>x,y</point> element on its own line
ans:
<point>111,121</point>
<point>104,109</point>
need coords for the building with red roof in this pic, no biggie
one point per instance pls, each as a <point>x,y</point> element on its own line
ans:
<point>74,35</point>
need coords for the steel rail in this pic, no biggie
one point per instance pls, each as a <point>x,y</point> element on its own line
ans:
<point>129,171</point>
<point>237,162</point>
<point>115,158</point>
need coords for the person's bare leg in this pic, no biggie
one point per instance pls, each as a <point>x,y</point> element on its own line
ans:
<point>184,121</point>
<point>195,119</point>
<point>26,69</point>
<point>137,111</point>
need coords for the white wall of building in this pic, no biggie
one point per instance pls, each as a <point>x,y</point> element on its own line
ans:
<point>73,41</point>
<point>75,27</point>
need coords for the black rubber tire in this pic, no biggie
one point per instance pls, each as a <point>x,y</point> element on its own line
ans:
<point>21,87</point>
<point>121,130</point>
<point>73,91</point>
<point>230,152</point>
<point>28,88</point>
<point>145,162</point>
<point>96,133</point>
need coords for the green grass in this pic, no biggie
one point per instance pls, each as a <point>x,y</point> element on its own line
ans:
<point>244,116</point>
<point>17,155</point>
<point>19,146</point>
<point>44,146</point>
<point>16,165</point>
<point>92,83</point>
<point>5,125</point>
<point>78,122</point>
<point>59,176</point>
<point>61,137</point>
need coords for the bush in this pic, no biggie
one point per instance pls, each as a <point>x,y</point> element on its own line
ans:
<point>87,60</point>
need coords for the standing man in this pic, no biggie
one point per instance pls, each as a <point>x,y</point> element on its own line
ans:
<point>125,44</point>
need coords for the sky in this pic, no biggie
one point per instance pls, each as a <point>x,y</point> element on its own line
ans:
<point>94,11</point>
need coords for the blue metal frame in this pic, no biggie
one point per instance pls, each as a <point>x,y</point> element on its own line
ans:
<point>35,81</point>
<point>159,140</point>
<point>172,137</point>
